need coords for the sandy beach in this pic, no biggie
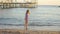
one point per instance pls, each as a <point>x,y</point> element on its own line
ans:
<point>16,31</point>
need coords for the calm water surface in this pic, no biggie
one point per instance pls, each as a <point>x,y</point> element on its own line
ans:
<point>41,17</point>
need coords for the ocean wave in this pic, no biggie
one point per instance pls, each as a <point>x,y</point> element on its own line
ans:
<point>32,24</point>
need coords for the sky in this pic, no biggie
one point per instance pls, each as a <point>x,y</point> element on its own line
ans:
<point>49,2</point>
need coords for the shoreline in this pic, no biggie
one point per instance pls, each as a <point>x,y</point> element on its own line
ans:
<point>18,31</point>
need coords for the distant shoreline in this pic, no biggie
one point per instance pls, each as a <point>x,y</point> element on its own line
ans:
<point>50,5</point>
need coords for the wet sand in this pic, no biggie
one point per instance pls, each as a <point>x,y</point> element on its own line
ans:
<point>16,31</point>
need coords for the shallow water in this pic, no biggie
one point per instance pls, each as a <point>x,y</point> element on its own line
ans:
<point>43,16</point>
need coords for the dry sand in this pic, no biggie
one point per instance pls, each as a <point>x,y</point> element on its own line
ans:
<point>16,31</point>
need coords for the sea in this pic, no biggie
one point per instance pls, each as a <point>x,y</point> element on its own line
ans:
<point>43,17</point>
